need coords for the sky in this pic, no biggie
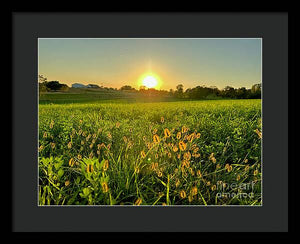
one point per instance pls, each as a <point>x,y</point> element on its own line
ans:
<point>118,62</point>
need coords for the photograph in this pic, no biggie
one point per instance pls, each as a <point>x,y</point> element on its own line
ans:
<point>153,122</point>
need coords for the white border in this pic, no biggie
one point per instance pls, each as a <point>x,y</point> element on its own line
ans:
<point>221,206</point>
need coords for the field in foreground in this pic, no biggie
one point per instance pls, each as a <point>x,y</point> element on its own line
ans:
<point>168,153</point>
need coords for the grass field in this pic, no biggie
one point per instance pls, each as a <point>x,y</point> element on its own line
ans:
<point>162,153</point>
<point>85,95</point>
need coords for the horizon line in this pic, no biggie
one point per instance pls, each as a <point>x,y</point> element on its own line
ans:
<point>137,88</point>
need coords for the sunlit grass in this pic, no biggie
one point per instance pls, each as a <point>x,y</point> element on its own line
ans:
<point>176,153</point>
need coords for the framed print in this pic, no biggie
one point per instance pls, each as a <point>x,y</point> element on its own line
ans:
<point>135,118</point>
<point>149,141</point>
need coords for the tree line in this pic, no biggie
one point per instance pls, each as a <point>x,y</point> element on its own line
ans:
<point>201,92</point>
<point>198,92</point>
<point>46,86</point>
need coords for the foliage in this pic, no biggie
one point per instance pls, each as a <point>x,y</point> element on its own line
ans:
<point>127,88</point>
<point>55,86</point>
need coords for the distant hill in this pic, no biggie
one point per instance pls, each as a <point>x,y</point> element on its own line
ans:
<point>79,85</point>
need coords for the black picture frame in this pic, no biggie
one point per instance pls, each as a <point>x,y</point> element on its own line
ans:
<point>273,216</point>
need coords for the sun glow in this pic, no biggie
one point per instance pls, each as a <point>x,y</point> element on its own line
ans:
<point>150,81</point>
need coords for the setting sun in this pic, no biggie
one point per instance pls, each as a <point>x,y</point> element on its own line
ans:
<point>150,81</point>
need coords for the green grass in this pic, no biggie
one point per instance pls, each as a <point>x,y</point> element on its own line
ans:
<point>103,153</point>
<point>97,96</point>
